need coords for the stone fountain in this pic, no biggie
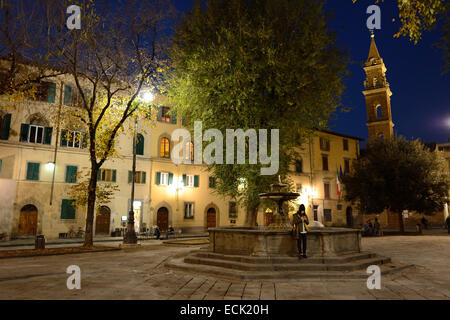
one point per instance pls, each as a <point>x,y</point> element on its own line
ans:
<point>271,252</point>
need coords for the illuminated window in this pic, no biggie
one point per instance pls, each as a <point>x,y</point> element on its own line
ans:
<point>324,144</point>
<point>190,151</point>
<point>165,148</point>
<point>189,210</point>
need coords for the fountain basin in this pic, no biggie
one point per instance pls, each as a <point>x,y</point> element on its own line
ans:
<point>322,242</point>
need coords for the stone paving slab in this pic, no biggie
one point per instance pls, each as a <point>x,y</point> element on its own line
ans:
<point>141,274</point>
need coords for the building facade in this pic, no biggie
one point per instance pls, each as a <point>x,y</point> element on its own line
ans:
<point>39,163</point>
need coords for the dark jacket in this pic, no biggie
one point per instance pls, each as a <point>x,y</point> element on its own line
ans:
<point>299,222</point>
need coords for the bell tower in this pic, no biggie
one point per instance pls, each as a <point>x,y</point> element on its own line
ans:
<point>378,96</point>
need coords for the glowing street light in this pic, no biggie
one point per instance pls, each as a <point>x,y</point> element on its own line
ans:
<point>148,96</point>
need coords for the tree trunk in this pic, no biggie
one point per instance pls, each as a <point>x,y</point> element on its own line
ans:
<point>400,222</point>
<point>89,233</point>
<point>252,215</point>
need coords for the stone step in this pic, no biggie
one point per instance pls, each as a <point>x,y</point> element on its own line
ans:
<point>299,266</point>
<point>235,274</point>
<point>285,260</point>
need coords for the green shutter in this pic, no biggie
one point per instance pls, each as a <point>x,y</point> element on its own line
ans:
<point>170,178</point>
<point>173,118</point>
<point>51,93</point>
<point>158,178</point>
<point>1,165</point>
<point>196,181</point>
<point>24,129</point>
<point>184,179</point>
<point>63,138</point>
<point>71,172</point>
<point>85,141</point>
<point>99,174</point>
<point>48,135</point>
<point>5,126</point>
<point>67,95</point>
<point>140,145</point>
<point>143,177</point>
<point>33,171</point>
<point>130,175</point>
<point>67,209</point>
<point>114,175</point>
<point>159,113</point>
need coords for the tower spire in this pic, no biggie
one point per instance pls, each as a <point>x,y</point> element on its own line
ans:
<point>374,56</point>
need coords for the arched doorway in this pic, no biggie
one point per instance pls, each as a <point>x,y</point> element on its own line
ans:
<point>349,214</point>
<point>162,219</point>
<point>102,221</point>
<point>28,221</point>
<point>211,217</point>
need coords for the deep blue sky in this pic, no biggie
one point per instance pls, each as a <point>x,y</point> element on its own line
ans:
<point>420,100</point>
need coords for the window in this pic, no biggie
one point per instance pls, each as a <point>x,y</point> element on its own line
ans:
<point>33,171</point>
<point>324,163</point>
<point>345,145</point>
<point>378,112</point>
<point>5,123</point>
<point>67,95</point>
<point>1,162</point>
<point>232,209</point>
<point>346,165</point>
<point>164,178</point>
<point>46,91</point>
<point>316,212</point>
<point>36,132</point>
<point>68,209</point>
<point>140,177</point>
<point>298,187</point>
<point>107,175</point>
<point>71,174</point>
<point>189,210</point>
<point>299,166</point>
<point>139,144</point>
<point>212,183</point>
<point>327,215</point>
<point>381,136</point>
<point>324,144</point>
<point>326,190</point>
<point>73,139</point>
<point>165,148</point>
<point>190,180</point>
<point>163,114</point>
<point>190,151</point>
<point>339,206</point>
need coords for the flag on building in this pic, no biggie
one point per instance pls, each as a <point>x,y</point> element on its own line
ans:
<point>338,184</point>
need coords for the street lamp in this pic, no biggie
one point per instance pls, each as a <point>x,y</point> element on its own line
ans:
<point>130,235</point>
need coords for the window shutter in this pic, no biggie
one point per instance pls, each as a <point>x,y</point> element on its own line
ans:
<point>63,138</point>
<point>85,141</point>
<point>99,174</point>
<point>158,178</point>
<point>30,171</point>
<point>24,129</point>
<point>71,172</point>
<point>114,175</point>
<point>51,93</point>
<point>68,171</point>
<point>173,118</point>
<point>170,178</point>
<point>143,176</point>
<point>184,179</point>
<point>140,145</point>
<point>130,175</point>
<point>67,209</point>
<point>196,181</point>
<point>5,125</point>
<point>67,95</point>
<point>33,171</point>
<point>159,118</point>
<point>48,135</point>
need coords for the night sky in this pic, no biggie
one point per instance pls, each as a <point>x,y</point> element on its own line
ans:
<point>420,100</point>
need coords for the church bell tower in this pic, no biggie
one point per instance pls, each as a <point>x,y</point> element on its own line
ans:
<point>378,96</point>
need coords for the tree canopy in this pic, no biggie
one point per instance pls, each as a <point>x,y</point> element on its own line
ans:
<point>398,175</point>
<point>256,64</point>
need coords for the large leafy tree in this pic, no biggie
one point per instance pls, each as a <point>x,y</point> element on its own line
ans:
<point>258,64</point>
<point>398,175</point>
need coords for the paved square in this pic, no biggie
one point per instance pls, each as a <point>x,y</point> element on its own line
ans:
<point>140,274</point>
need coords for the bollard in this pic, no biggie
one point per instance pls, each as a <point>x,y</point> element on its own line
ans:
<point>39,242</point>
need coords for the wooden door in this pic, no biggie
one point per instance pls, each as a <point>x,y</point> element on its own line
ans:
<point>268,218</point>
<point>28,221</point>
<point>162,219</point>
<point>349,215</point>
<point>211,218</point>
<point>102,221</point>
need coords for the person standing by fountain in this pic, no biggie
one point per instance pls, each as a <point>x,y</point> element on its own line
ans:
<point>301,229</point>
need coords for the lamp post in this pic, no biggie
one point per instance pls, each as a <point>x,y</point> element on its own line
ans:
<point>130,235</point>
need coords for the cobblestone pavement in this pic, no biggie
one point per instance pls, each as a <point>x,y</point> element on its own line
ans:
<point>140,274</point>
